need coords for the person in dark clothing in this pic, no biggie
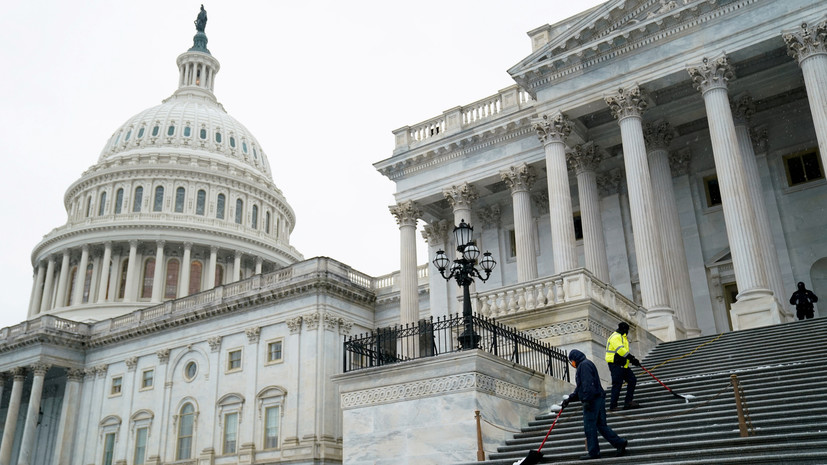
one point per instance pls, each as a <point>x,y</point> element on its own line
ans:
<point>803,300</point>
<point>591,394</point>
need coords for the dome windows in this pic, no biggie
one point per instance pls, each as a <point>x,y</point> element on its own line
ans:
<point>218,137</point>
<point>158,205</point>
<point>255,154</point>
<point>219,206</point>
<point>128,135</point>
<point>232,142</point>
<point>203,134</point>
<point>138,199</point>
<point>187,131</point>
<point>243,146</point>
<point>201,200</point>
<point>254,222</point>
<point>171,130</point>
<point>101,207</point>
<point>155,130</point>
<point>180,195</point>
<point>141,132</point>
<point>118,201</point>
<point>239,211</point>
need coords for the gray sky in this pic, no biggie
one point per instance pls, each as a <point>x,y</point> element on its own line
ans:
<point>320,84</point>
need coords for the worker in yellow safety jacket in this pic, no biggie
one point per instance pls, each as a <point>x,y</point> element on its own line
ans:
<point>619,358</point>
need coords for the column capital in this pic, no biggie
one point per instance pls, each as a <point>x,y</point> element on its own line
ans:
<point>743,107</point>
<point>213,249</point>
<point>584,157</point>
<point>760,138</point>
<point>461,196</point>
<point>632,101</point>
<point>610,182</point>
<point>74,374</point>
<point>39,368</point>
<point>101,369</point>
<point>679,162</point>
<point>540,200</point>
<point>18,373</point>
<point>806,41</point>
<point>214,343</point>
<point>519,178</point>
<point>658,135</point>
<point>163,356</point>
<point>712,73</point>
<point>131,363</point>
<point>436,233</point>
<point>406,213</point>
<point>294,324</point>
<point>133,243</point>
<point>187,245</point>
<point>489,216</point>
<point>253,334</point>
<point>552,128</point>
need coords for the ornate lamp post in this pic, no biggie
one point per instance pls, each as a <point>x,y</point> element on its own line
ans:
<point>464,271</point>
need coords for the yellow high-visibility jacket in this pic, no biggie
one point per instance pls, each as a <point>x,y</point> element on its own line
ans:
<point>617,344</point>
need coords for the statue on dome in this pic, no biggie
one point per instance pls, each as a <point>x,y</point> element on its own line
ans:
<point>201,20</point>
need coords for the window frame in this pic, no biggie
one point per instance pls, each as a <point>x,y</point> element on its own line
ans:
<point>179,423</point>
<point>116,389</point>
<point>135,458</point>
<point>785,160</point>
<point>271,396</point>
<point>228,360</point>
<point>267,344</point>
<point>224,431</point>
<point>143,386</point>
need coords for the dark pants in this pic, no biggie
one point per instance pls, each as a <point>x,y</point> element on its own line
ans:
<point>594,421</point>
<point>619,375</point>
<point>804,312</point>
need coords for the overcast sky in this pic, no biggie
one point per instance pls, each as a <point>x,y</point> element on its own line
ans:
<point>320,84</point>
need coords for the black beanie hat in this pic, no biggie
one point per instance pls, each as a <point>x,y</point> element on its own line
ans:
<point>623,327</point>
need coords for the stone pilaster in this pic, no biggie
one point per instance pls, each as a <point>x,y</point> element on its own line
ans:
<point>29,429</point>
<point>584,160</point>
<point>808,45</point>
<point>553,131</point>
<point>520,179</point>
<point>407,213</point>
<point>627,106</point>
<point>756,305</point>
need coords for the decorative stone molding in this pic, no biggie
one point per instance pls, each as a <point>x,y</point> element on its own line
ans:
<point>89,373</point>
<point>345,326</point>
<point>436,233</point>
<point>406,213</point>
<point>519,178</point>
<point>540,200</point>
<point>100,370</point>
<point>679,162</point>
<point>559,329</point>
<point>440,386</point>
<point>627,102</point>
<point>461,196</point>
<point>712,74</point>
<point>658,135</point>
<point>294,325</point>
<point>552,128</point>
<point>760,138</point>
<point>131,363</point>
<point>18,373</point>
<point>331,321</point>
<point>806,42</point>
<point>74,374</point>
<point>610,183</point>
<point>490,216</point>
<point>253,334</point>
<point>584,157</point>
<point>163,356</point>
<point>214,343</point>
<point>39,368</point>
<point>743,107</point>
<point>311,321</point>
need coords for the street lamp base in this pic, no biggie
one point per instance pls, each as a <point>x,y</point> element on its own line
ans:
<point>469,340</point>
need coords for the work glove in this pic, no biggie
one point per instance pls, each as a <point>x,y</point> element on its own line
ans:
<point>634,360</point>
<point>565,402</point>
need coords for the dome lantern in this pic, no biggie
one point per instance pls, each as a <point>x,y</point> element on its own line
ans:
<point>197,67</point>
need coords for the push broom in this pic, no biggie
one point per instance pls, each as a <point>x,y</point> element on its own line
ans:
<point>534,456</point>
<point>686,397</point>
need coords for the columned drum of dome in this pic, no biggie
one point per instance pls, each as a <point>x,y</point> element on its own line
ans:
<point>181,200</point>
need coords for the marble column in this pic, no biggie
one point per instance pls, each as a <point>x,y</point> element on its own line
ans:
<point>627,106</point>
<point>460,198</point>
<point>12,412</point>
<point>520,179</point>
<point>105,269</point>
<point>237,266</point>
<point>808,45</point>
<point>756,305</point>
<point>68,415</point>
<point>259,263</point>
<point>37,292</point>
<point>440,290</point>
<point>80,276</point>
<point>211,268</point>
<point>186,266</point>
<point>158,274</point>
<point>46,298</point>
<point>584,160</point>
<point>30,428</point>
<point>406,214</point>
<point>553,131</point>
<point>743,108</point>
<point>63,280</point>
<point>131,292</point>
<point>658,136</point>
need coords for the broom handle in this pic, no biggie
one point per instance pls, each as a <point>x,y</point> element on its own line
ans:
<point>656,379</point>
<point>549,431</point>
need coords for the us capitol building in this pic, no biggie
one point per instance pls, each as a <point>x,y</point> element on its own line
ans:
<point>658,162</point>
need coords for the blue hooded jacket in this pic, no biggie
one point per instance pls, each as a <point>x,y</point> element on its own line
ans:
<point>587,380</point>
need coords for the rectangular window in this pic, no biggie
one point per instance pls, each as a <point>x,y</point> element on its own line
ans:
<point>147,379</point>
<point>234,360</point>
<point>713,192</point>
<point>271,427</point>
<point>803,167</point>
<point>140,446</point>
<point>274,353</point>
<point>108,448</point>
<point>230,432</point>
<point>117,385</point>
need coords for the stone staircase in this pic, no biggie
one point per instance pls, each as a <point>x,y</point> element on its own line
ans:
<point>782,370</point>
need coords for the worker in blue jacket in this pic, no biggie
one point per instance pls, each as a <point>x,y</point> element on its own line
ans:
<point>590,393</point>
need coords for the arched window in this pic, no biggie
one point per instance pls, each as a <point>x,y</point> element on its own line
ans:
<point>88,206</point>
<point>155,130</point>
<point>267,222</point>
<point>219,275</point>
<point>158,205</point>
<point>118,201</point>
<point>171,285</point>
<point>149,278</point>
<point>203,134</point>
<point>254,222</point>
<point>218,137</point>
<point>239,211</point>
<point>122,286</point>
<point>171,130</point>
<point>244,146</point>
<point>187,131</point>
<point>232,141</point>
<point>186,425</point>
<point>196,270</point>
<point>140,132</point>
<point>200,202</point>
<point>219,207</point>
<point>87,283</point>
<point>128,135</point>
<point>180,193</point>
<point>102,204</point>
<point>139,198</point>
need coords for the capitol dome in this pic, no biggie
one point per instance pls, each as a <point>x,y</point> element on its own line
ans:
<point>182,185</point>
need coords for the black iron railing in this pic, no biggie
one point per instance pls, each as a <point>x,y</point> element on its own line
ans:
<point>428,338</point>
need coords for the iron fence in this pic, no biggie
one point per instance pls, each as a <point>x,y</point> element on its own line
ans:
<point>428,338</point>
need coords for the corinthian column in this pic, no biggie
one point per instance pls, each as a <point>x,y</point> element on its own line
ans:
<point>627,107</point>
<point>80,277</point>
<point>158,274</point>
<point>754,296</point>
<point>460,198</point>
<point>63,281</point>
<point>68,415</point>
<point>37,292</point>
<point>584,160</point>
<point>520,179</point>
<point>12,412</point>
<point>440,292</point>
<point>131,293</point>
<point>553,131</point>
<point>46,298</point>
<point>184,282</point>
<point>105,270</point>
<point>809,46</point>
<point>406,214</point>
<point>29,429</point>
<point>658,136</point>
